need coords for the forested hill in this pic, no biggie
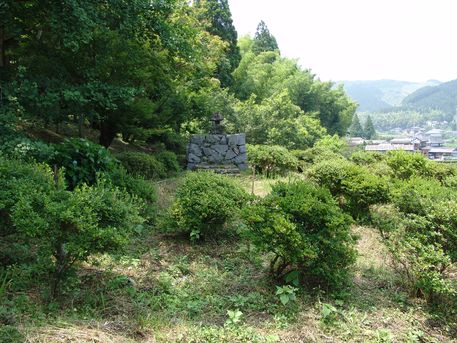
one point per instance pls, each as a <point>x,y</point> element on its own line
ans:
<point>376,95</point>
<point>442,97</point>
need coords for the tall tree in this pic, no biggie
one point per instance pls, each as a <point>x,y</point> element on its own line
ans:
<point>264,40</point>
<point>121,65</point>
<point>369,130</point>
<point>217,20</point>
<point>356,129</point>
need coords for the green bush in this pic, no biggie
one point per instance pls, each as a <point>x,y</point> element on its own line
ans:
<point>366,158</point>
<point>139,187</point>
<point>419,228</point>
<point>271,160</point>
<point>330,174</point>
<point>405,164</point>
<point>25,149</point>
<point>302,227</point>
<point>205,202</point>
<point>419,258</point>
<point>355,186</point>
<point>82,160</point>
<point>170,161</point>
<point>62,228</point>
<point>142,164</point>
<point>361,189</point>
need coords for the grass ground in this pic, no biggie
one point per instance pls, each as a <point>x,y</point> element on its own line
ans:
<point>164,289</point>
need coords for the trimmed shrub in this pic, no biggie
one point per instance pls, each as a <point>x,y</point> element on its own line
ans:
<point>170,161</point>
<point>142,164</point>
<point>330,174</point>
<point>418,253</point>
<point>82,160</point>
<point>62,228</point>
<point>302,227</point>
<point>405,164</point>
<point>139,187</point>
<point>366,157</point>
<point>362,189</point>
<point>355,185</point>
<point>205,202</point>
<point>271,160</point>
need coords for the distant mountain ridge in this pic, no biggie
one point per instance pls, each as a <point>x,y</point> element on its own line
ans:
<point>378,95</point>
<point>440,97</point>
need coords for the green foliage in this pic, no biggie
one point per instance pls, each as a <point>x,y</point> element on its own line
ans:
<point>369,132</point>
<point>356,184</point>
<point>419,231</point>
<point>142,164</point>
<point>169,161</point>
<point>330,173</point>
<point>361,189</point>
<point>277,121</point>
<point>356,129</point>
<point>218,21</point>
<point>17,177</point>
<point>302,227</point>
<point>61,227</point>
<point>417,254</point>
<point>286,294</point>
<point>82,161</point>
<point>271,160</point>
<point>27,150</point>
<point>264,76</point>
<point>138,187</point>
<point>204,203</point>
<point>234,317</point>
<point>264,40</point>
<point>366,157</point>
<point>405,165</point>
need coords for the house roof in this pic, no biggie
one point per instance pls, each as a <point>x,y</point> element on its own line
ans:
<point>389,147</point>
<point>443,150</point>
<point>434,132</point>
<point>401,140</point>
<point>436,138</point>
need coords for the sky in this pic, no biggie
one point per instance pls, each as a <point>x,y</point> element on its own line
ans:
<point>410,40</point>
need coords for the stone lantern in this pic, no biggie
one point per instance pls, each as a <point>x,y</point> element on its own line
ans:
<point>217,127</point>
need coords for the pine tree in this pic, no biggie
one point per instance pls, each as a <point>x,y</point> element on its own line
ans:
<point>356,129</point>
<point>218,18</point>
<point>369,129</point>
<point>264,40</point>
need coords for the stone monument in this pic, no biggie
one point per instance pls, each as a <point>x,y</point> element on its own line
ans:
<point>223,153</point>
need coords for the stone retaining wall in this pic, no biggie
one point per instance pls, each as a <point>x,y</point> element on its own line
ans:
<point>212,149</point>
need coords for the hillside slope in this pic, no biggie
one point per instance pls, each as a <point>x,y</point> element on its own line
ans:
<point>442,97</point>
<point>377,95</point>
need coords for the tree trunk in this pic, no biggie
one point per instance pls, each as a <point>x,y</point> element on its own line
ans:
<point>107,133</point>
<point>80,125</point>
<point>2,47</point>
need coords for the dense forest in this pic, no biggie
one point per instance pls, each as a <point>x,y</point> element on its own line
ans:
<point>104,237</point>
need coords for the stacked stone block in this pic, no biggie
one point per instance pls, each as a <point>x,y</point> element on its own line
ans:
<point>217,151</point>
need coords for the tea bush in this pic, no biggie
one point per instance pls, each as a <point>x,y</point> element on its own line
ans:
<point>139,187</point>
<point>142,164</point>
<point>366,158</point>
<point>205,202</point>
<point>271,160</point>
<point>405,164</point>
<point>355,184</point>
<point>418,258</point>
<point>62,228</point>
<point>170,161</point>
<point>302,227</point>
